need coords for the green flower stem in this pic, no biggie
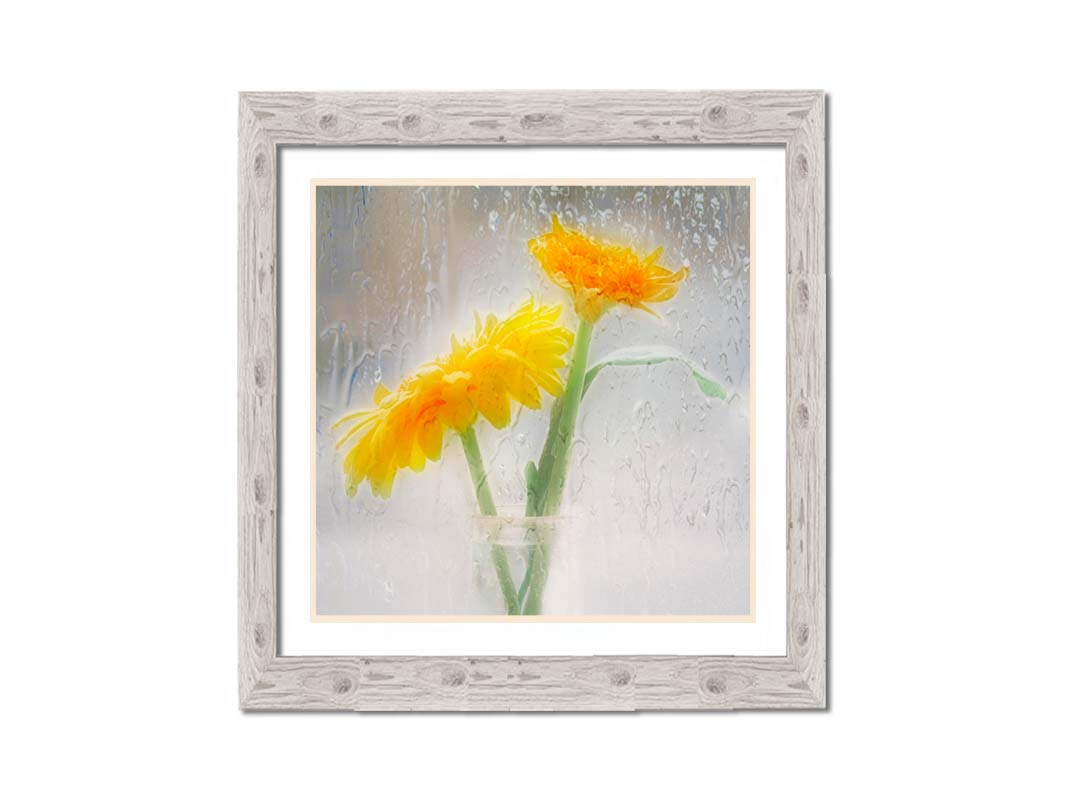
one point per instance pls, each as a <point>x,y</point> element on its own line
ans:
<point>525,586</point>
<point>533,583</point>
<point>488,508</point>
<point>552,470</point>
<point>555,458</point>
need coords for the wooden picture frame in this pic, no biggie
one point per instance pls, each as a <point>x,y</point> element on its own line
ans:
<point>270,121</point>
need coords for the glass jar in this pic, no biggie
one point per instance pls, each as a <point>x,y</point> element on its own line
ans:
<point>511,548</point>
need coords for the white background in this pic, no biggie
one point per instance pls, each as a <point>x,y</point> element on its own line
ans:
<point>763,636</point>
<point>118,438</point>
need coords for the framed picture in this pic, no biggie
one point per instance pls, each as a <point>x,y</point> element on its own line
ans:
<point>535,427</point>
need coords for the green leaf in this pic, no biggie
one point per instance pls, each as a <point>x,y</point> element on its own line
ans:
<point>647,356</point>
<point>530,473</point>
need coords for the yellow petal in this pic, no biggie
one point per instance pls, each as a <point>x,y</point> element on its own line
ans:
<point>359,426</point>
<point>506,360</point>
<point>614,274</point>
<point>350,417</point>
<point>382,486</point>
<point>527,393</point>
<point>494,406</point>
<point>418,460</point>
<point>430,437</point>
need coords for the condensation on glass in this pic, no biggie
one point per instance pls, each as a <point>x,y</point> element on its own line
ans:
<point>660,473</point>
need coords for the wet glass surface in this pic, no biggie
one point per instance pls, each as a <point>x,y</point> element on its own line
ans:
<point>660,472</point>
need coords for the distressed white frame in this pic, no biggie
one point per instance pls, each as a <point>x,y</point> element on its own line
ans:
<point>268,121</point>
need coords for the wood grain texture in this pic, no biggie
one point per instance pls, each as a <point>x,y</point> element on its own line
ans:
<point>531,117</point>
<point>268,121</point>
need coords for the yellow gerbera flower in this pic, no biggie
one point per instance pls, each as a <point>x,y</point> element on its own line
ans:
<point>598,274</point>
<point>505,360</point>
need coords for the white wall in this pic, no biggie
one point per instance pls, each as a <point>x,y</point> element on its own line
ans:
<point>118,322</point>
